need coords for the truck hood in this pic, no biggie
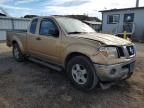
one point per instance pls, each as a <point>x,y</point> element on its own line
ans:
<point>104,38</point>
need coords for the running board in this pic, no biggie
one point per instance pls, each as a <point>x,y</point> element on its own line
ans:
<point>49,65</point>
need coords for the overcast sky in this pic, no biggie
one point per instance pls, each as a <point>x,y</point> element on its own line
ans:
<point>18,8</point>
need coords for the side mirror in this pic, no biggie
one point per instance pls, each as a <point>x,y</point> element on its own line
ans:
<point>54,32</point>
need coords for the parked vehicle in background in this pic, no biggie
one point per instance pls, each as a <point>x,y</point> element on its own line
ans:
<point>89,58</point>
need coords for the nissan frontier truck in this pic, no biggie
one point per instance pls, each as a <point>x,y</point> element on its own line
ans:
<point>88,58</point>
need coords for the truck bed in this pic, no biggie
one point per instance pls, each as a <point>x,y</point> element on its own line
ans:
<point>15,34</point>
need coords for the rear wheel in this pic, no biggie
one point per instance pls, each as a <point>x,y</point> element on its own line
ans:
<point>17,54</point>
<point>82,73</point>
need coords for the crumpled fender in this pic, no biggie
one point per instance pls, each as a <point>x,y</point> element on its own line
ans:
<point>87,50</point>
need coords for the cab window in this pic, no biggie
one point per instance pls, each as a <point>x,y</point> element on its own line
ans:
<point>48,28</point>
<point>33,26</point>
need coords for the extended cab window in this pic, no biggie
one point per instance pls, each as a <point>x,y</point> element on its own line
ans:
<point>48,28</point>
<point>33,26</point>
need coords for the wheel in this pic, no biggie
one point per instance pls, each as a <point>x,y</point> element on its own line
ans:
<point>81,73</point>
<point>18,56</point>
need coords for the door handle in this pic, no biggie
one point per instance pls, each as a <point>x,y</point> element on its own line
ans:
<point>38,38</point>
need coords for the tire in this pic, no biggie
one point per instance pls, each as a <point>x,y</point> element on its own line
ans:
<point>81,73</point>
<point>17,54</point>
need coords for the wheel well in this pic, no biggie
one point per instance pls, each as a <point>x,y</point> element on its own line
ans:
<point>70,56</point>
<point>14,42</point>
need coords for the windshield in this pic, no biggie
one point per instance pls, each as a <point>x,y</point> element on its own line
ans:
<point>74,26</point>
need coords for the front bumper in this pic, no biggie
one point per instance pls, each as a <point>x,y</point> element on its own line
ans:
<point>115,72</point>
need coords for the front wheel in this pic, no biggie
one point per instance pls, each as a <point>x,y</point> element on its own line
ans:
<point>17,54</point>
<point>82,73</point>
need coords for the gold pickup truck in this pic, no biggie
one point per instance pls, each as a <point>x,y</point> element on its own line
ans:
<point>89,58</point>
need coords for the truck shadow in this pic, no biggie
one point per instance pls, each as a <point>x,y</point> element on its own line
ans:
<point>56,79</point>
<point>49,87</point>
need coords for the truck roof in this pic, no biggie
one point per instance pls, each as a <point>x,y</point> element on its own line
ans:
<point>55,16</point>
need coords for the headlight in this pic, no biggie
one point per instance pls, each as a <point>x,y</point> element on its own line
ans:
<point>109,52</point>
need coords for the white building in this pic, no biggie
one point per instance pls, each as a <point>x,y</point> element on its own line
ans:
<point>11,23</point>
<point>7,23</point>
<point>116,21</point>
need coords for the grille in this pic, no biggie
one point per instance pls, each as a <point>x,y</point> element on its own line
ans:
<point>120,52</point>
<point>130,50</point>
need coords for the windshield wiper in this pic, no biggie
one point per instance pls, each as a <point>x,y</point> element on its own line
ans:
<point>76,32</point>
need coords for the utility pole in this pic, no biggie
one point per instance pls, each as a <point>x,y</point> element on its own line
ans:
<point>137,3</point>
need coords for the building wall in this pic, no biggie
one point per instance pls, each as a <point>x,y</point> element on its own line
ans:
<point>2,35</point>
<point>12,24</point>
<point>21,24</point>
<point>138,20</point>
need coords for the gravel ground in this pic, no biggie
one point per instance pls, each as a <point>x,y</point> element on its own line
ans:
<point>29,85</point>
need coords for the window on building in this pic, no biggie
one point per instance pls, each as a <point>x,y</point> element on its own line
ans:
<point>129,17</point>
<point>113,19</point>
<point>33,26</point>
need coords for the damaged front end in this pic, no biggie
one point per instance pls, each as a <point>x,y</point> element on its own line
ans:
<point>120,62</point>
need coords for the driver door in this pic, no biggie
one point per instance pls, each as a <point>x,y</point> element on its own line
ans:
<point>49,43</point>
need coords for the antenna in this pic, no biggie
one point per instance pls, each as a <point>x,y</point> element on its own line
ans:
<point>137,3</point>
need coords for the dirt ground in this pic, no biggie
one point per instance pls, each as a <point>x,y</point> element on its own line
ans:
<point>29,85</point>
